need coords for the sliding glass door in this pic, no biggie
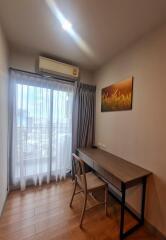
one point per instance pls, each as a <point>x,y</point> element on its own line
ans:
<point>42,132</point>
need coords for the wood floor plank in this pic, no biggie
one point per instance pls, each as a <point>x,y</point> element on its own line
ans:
<point>44,214</point>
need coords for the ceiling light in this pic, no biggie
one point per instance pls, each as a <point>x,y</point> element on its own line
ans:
<point>66,25</point>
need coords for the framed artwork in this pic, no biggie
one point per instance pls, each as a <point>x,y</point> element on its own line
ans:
<point>118,96</point>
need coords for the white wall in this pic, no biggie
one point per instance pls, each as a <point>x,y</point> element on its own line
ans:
<point>22,61</point>
<point>3,119</point>
<point>27,62</point>
<point>139,136</point>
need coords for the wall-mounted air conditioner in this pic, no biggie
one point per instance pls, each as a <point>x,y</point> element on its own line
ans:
<point>53,67</point>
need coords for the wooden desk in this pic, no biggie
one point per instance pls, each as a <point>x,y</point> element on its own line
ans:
<point>122,175</point>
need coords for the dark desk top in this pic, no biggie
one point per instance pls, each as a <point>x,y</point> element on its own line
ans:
<point>121,169</point>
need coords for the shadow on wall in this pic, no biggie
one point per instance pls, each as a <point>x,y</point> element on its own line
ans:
<point>154,203</point>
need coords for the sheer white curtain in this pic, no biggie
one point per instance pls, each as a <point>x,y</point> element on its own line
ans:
<point>42,129</point>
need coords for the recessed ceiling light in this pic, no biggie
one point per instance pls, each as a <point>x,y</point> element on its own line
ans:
<point>66,25</point>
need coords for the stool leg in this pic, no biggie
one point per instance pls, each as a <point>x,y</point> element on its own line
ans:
<point>74,190</point>
<point>83,209</point>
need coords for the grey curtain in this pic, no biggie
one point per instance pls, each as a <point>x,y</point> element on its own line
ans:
<point>86,111</point>
<point>75,119</point>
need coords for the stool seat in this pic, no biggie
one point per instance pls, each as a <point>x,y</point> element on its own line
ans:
<point>93,182</point>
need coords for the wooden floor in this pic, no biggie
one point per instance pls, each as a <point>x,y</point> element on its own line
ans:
<point>44,214</point>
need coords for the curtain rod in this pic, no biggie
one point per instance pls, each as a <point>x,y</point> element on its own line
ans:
<point>43,75</point>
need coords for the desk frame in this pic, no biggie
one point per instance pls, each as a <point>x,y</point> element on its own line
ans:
<point>140,219</point>
<point>122,200</point>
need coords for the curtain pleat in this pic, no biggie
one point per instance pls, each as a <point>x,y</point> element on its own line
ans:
<point>86,111</point>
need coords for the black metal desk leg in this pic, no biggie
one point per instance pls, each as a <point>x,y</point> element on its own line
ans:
<point>143,199</point>
<point>122,210</point>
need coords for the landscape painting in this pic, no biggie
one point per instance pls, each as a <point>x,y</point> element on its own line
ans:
<point>118,96</point>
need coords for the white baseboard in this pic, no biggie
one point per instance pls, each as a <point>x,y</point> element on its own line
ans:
<point>3,203</point>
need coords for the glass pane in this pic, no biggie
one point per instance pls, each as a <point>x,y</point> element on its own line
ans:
<point>33,123</point>
<point>43,132</point>
<point>62,130</point>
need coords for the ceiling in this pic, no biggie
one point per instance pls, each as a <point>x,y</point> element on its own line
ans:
<point>105,26</point>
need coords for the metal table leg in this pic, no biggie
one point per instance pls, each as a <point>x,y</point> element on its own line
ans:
<point>122,210</point>
<point>123,207</point>
<point>143,199</point>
